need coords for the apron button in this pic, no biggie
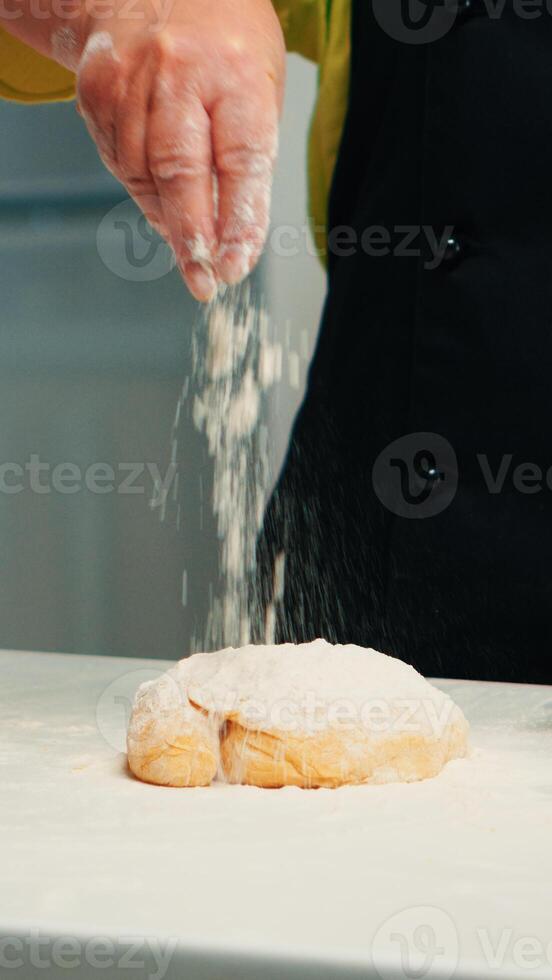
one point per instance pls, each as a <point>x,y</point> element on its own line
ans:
<point>434,474</point>
<point>466,8</point>
<point>453,250</point>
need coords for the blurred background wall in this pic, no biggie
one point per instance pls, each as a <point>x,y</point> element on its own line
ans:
<point>94,349</point>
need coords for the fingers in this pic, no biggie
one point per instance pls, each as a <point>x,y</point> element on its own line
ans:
<point>176,150</point>
<point>245,133</point>
<point>113,100</point>
<point>180,161</point>
<point>131,124</point>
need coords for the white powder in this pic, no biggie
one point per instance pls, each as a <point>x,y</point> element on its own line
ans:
<point>64,45</point>
<point>287,672</point>
<point>307,688</point>
<point>270,364</point>
<point>221,342</point>
<point>234,363</point>
<point>200,251</point>
<point>278,581</point>
<point>98,43</point>
<point>243,413</point>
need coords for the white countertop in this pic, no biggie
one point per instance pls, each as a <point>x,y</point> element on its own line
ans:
<point>99,872</point>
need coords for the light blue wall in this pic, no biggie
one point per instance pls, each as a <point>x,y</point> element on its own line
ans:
<point>91,365</point>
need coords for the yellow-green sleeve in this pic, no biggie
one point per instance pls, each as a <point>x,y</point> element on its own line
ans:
<point>329,116</point>
<point>304,26</point>
<point>26,76</point>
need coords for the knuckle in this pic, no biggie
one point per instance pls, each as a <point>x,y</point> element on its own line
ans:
<point>250,236</point>
<point>235,47</point>
<point>162,45</point>
<point>138,185</point>
<point>169,166</point>
<point>245,161</point>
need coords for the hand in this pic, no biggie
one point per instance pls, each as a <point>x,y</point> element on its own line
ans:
<point>185,115</point>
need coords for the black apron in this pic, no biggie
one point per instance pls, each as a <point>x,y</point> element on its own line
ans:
<point>415,504</point>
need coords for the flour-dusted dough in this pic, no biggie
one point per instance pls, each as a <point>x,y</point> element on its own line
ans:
<point>170,742</point>
<point>309,715</point>
<point>334,758</point>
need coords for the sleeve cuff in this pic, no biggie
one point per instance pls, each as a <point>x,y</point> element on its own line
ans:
<point>27,76</point>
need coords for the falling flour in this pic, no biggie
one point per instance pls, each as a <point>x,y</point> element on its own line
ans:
<point>234,363</point>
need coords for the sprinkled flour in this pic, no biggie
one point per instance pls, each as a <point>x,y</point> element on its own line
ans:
<point>101,42</point>
<point>313,686</point>
<point>234,362</point>
<point>64,46</point>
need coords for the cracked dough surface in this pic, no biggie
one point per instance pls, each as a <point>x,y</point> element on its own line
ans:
<point>310,715</point>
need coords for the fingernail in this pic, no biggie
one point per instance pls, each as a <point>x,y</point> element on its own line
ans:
<point>200,280</point>
<point>233,263</point>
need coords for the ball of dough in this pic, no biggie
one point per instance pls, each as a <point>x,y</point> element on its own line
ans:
<point>309,715</point>
<point>170,742</point>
